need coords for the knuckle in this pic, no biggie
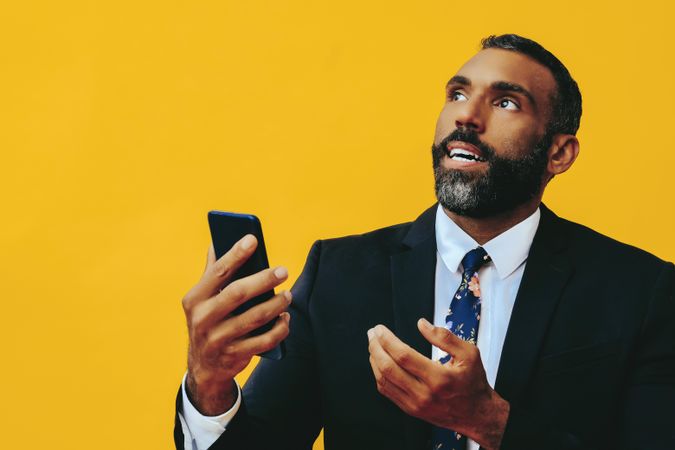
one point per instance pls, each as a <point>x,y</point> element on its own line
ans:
<point>235,355</point>
<point>258,320</point>
<point>444,335</point>
<point>196,331</point>
<point>381,385</point>
<point>387,369</point>
<point>402,357</point>
<point>238,252</point>
<point>268,341</point>
<point>228,350</point>
<point>424,400</point>
<point>220,268</point>
<point>270,277</point>
<point>241,326</point>
<point>187,303</point>
<point>236,292</point>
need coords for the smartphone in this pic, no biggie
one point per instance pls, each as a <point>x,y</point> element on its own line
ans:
<point>226,230</point>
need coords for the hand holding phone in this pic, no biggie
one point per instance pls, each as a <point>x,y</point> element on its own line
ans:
<point>221,343</point>
<point>226,229</point>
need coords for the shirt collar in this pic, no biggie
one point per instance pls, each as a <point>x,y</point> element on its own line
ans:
<point>508,250</point>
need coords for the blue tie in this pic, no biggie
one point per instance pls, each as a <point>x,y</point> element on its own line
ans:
<point>462,320</point>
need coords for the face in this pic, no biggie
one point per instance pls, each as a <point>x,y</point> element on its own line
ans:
<point>491,141</point>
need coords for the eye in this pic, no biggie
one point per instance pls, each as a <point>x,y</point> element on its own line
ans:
<point>508,104</point>
<point>455,96</point>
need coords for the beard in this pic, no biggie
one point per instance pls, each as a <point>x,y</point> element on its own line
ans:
<point>507,183</point>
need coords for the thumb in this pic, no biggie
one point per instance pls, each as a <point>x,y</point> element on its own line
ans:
<point>443,339</point>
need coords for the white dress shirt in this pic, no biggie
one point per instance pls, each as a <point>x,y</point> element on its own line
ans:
<point>499,283</point>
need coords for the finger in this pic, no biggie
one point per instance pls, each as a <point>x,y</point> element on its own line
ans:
<point>388,368</point>
<point>239,326</point>
<point>445,340</point>
<point>210,257</point>
<point>198,292</point>
<point>388,389</point>
<point>254,345</point>
<point>240,291</point>
<point>405,356</point>
<point>221,271</point>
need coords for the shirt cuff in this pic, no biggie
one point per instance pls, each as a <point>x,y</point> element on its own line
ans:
<point>205,430</point>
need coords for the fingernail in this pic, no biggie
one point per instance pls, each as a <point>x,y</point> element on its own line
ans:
<point>425,324</point>
<point>370,334</point>
<point>289,296</point>
<point>280,272</point>
<point>247,242</point>
<point>287,317</point>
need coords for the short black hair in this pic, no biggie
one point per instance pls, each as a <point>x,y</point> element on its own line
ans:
<point>566,113</point>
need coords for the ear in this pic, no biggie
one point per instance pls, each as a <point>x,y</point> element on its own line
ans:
<point>562,154</point>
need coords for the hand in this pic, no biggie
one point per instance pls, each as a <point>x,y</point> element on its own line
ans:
<point>455,395</point>
<point>220,346</point>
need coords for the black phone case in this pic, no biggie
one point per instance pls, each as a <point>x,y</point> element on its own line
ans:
<point>226,230</point>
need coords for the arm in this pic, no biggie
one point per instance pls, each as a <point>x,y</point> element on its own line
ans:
<point>281,400</point>
<point>220,343</point>
<point>280,403</point>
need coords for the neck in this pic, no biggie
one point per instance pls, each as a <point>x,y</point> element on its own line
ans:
<point>484,229</point>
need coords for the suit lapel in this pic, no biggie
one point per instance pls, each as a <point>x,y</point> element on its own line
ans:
<point>413,273</point>
<point>547,271</point>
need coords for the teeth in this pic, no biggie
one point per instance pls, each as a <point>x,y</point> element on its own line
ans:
<point>465,154</point>
<point>461,151</point>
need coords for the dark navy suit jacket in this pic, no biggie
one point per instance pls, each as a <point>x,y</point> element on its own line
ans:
<point>588,361</point>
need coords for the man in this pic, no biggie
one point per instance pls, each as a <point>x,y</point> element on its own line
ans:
<point>545,334</point>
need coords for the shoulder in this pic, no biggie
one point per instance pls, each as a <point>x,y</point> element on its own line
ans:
<point>605,253</point>
<point>355,253</point>
<point>355,260</point>
<point>383,242</point>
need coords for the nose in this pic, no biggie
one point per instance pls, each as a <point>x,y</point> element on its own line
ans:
<point>469,114</point>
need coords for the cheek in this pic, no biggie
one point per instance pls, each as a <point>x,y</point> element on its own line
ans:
<point>515,144</point>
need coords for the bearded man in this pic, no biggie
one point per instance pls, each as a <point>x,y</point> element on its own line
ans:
<point>487,322</point>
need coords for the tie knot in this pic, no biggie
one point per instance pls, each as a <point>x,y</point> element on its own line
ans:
<point>475,259</point>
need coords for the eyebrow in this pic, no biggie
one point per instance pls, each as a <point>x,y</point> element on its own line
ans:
<point>503,86</point>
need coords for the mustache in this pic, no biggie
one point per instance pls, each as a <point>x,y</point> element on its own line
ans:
<point>470,137</point>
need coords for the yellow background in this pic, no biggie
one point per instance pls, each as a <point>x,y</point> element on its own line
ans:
<point>123,122</point>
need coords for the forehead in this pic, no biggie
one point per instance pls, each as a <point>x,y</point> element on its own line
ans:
<point>495,64</point>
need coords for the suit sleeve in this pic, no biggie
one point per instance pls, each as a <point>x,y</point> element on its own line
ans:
<point>648,416</point>
<point>281,405</point>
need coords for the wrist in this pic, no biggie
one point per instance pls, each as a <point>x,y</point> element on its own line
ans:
<point>494,417</point>
<point>211,399</point>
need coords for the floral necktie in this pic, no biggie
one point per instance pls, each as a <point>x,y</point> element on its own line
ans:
<point>462,319</point>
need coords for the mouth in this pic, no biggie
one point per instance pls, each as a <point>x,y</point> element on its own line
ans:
<point>463,152</point>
